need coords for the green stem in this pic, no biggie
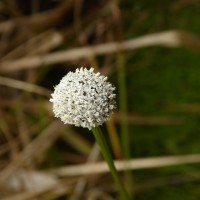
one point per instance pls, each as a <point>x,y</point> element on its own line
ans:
<point>125,135</point>
<point>123,106</point>
<point>107,156</point>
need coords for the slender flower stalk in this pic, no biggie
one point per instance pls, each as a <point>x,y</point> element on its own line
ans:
<point>86,99</point>
<point>108,158</point>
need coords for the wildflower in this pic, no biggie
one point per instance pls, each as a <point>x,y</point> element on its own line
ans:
<point>83,98</point>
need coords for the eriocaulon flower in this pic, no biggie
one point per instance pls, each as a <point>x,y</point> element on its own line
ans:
<point>83,98</point>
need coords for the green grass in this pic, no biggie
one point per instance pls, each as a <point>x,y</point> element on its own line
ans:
<point>157,78</point>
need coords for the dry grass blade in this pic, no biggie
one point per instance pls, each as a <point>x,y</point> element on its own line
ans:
<point>82,182</point>
<point>40,43</point>
<point>167,38</point>
<point>30,194</point>
<point>24,86</point>
<point>77,141</point>
<point>142,163</point>
<point>45,192</point>
<point>185,107</point>
<point>12,143</point>
<point>33,150</point>
<point>39,21</point>
<point>150,120</point>
<point>27,180</point>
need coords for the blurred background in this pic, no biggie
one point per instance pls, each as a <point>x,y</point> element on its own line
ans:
<point>150,50</point>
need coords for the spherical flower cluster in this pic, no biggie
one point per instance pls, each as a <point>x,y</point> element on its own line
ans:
<point>83,98</point>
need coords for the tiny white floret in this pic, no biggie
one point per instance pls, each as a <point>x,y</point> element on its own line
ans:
<point>83,98</point>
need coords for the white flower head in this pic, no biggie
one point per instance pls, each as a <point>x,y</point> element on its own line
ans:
<point>83,98</point>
